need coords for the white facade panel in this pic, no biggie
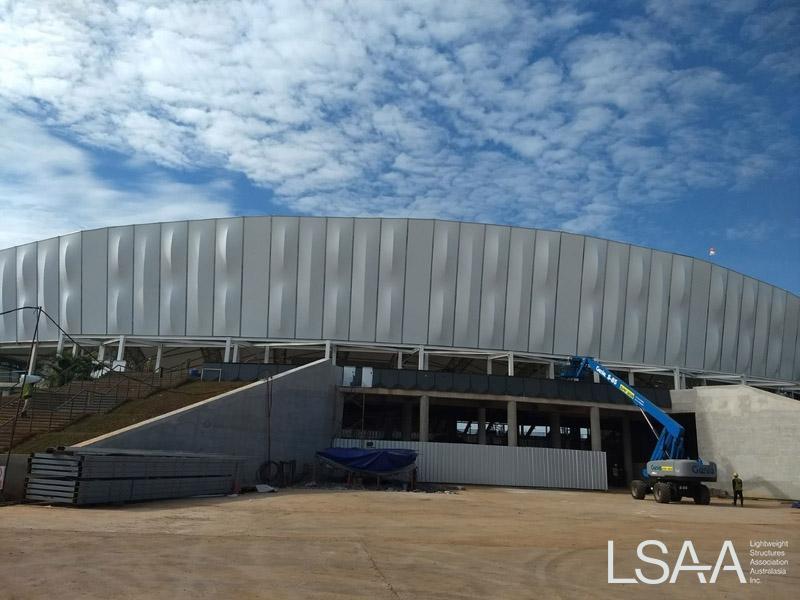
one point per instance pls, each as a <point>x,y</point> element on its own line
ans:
<point>468,285</point>
<point>590,317</point>
<point>255,278</point>
<point>747,325</point>
<point>518,297</point>
<point>776,328</point>
<point>310,278</point>
<point>146,278</point>
<point>228,276</point>
<point>69,282</point>
<point>364,294</point>
<point>680,290</point>
<point>283,276</point>
<point>338,278</point>
<point>8,294</point>
<point>417,295</point>
<point>493,288</point>
<point>200,281</point>
<point>94,277</point>
<point>616,284</point>
<point>174,262</point>
<point>543,291</point>
<point>444,271</point>
<point>26,291</point>
<point>120,280</point>
<point>636,304</point>
<point>47,287</point>
<point>391,280</point>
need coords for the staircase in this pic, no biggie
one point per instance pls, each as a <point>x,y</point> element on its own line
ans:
<point>55,408</point>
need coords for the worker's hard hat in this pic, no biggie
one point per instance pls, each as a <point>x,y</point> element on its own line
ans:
<point>735,474</point>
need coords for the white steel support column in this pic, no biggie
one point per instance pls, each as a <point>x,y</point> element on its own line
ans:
<point>422,359</point>
<point>510,364</point>
<point>60,346</point>
<point>267,354</point>
<point>121,349</point>
<point>424,408</point>
<point>75,350</point>
<point>511,421</point>
<point>489,365</point>
<point>631,378</point>
<point>236,353</point>
<point>676,378</point>
<point>399,360</point>
<point>227,357</point>
<point>551,370</point>
<point>101,353</point>
<point>32,363</point>
<point>626,449</point>
<point>594,428</point>
<point>159,356</point>
<point>555,430</point>
<point>595,377</point>
<point>482,425</point>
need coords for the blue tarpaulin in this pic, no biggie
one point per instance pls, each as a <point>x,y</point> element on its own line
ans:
<point>372,461</point>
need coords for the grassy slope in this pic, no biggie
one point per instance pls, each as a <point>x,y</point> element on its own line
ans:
<point>127,414</point>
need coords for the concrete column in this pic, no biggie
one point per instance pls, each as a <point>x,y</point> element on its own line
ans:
<point>75,350</point>
<point>511,420</point>
<point>594,428</point>
<point>424,408</point>
<point>482,426</point>
<point>489,366</point>
<point>626,449</point>
<point>595,377</point>
<point>510,364</point>
<point>551,370</point>
<point>399,360</point>
<point>631,378</point>
<point>60,346</point>
<point>332,354</point>
<point>267,354</point>
<point>338,414</point>
<point>159,356</point>
<point>227,357</point>
<point>555,430</point>
<point>407,420</point>
<point>236,353</point>
<point>676,378</point>
<point>121,348</point>
<point>421,359</point>
<point>101,353</point>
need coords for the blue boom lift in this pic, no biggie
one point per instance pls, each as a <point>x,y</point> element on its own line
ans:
<point>669,473</point>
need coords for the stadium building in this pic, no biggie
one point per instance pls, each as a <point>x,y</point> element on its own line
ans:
<point>432,332</point>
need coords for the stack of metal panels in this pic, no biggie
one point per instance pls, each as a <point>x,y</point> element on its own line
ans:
<point>84,476</point>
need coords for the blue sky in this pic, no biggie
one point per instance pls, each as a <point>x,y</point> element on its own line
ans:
<point>674,125</point>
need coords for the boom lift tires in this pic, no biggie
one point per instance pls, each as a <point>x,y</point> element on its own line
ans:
<point>639,489</point>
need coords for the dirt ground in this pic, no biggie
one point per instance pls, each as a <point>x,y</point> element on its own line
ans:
<point>477,543</point>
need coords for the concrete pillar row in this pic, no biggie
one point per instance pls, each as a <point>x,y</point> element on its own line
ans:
<point>555,430</point>
<point>595,432</point>
<point>482,425</point>
<point>511,421</point>
<point>424,409</point>
<point>626,449</point>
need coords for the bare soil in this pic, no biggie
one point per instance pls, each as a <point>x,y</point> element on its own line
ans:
<point>477,543</point>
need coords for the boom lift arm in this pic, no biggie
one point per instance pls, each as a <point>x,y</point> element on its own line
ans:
<point>670,441</point>
<point>669,473</point>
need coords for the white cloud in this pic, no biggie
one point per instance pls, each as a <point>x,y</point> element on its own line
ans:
<point>472,109</point>
<point>49,187</point>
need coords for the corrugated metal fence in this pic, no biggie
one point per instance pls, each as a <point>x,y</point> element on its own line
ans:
<point>500,465</point>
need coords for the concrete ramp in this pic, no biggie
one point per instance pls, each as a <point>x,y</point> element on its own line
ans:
<point>286,417</point>
<point>748,431</point>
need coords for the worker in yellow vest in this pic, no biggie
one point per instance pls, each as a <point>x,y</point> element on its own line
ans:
<point>736,483</point>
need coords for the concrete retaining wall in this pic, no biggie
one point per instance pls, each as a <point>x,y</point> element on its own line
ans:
<point>297,422</point>
<point>749,431</point>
